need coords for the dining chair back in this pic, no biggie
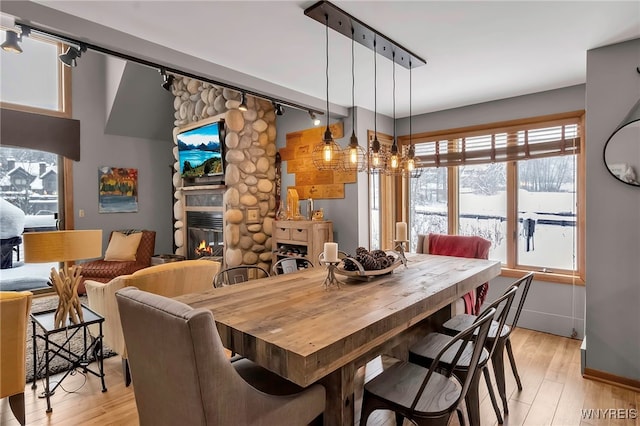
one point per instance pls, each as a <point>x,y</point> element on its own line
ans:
<point>238,274</point>
<point>501,340</point>
<point>181,373</point>
<point>14,319</point>
<point>288,265</point>
<point>459,246</point>
<point>423,353</point>
<point>429,396</point>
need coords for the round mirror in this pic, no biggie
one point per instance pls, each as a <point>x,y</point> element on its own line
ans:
<point>622,150</point>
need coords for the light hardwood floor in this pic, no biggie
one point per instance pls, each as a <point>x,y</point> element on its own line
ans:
<point>553,393</point>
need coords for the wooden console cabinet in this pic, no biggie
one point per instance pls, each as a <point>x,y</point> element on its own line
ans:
<point>301,238</point>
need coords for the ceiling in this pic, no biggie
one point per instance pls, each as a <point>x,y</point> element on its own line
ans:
<point>476,51</point>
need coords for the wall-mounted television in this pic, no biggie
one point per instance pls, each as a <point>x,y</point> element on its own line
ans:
<point>201,151</point>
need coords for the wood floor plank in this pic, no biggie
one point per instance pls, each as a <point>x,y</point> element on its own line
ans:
<point>554,393</point>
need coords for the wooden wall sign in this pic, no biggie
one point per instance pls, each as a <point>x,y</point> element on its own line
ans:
<point>309,181</point>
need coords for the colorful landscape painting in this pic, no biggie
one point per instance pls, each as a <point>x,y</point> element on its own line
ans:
<point>118,190</point>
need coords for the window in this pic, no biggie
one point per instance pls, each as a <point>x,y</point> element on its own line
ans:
<point>516,184</point>
<point>47,90</point>
<point>35,84</point>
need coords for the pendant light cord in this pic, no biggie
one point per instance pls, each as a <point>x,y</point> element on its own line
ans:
<point>393,59</point>
<point>375,91</point>
<point>353,84</point>
<point>410,115</point>
<point>326,31</point>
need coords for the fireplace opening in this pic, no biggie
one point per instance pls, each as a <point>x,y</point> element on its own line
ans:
<point>205,231</point>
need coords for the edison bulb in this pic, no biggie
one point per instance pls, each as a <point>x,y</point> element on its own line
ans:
<point>327,154</point>
<point>376,159</point>
<point>394,161</point>
<point>353,155</point>
<point>411,165</point>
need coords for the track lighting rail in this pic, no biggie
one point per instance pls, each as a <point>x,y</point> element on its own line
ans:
<point>339,21</point>
<point>26,28</point>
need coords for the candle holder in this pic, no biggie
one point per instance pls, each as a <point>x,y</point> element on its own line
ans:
<point>331,281</point>
<point>400,249</point>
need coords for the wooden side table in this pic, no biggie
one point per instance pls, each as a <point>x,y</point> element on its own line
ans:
<point>43,328</point>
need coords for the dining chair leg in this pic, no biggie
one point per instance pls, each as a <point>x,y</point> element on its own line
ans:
<point>16,402</point>
<point>512,360</point>
<point>497,359</point>
<point>460,416</point>
<point>492,395</point>
<point>126,372</point>
<point>472,400</point>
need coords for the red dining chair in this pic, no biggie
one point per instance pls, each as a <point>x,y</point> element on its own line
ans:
<point>459,246</point>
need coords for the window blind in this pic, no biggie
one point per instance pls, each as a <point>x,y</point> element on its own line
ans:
<point>500,144</point>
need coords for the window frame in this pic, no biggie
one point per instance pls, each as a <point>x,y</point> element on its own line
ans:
<point>511,268</point>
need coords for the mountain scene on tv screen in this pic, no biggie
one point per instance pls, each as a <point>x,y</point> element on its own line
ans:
<point>200,153</point>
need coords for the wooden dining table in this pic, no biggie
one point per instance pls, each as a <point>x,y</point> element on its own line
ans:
<point>293,326</point>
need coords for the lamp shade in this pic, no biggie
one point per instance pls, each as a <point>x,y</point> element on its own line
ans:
<point>62,246</point>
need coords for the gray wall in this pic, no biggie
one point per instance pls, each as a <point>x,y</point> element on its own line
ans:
<point>152,158</point>
<point>613,215</point>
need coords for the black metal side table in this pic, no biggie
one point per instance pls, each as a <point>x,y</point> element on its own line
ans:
<point>44,323</point>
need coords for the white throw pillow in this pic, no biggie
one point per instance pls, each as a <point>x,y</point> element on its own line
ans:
<point>123,247</point>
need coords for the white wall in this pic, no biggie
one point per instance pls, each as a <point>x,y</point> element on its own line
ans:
<point>613,218</point>
<point>152,158</point>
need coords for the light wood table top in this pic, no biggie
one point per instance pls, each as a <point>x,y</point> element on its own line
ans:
<point>292,326</point>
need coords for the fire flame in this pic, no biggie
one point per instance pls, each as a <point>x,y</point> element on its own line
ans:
<point>203,249</point>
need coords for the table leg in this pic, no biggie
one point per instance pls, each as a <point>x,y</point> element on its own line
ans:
<point>101,359</point>
<point>46,374</point>
<point>340,408</point>
<point>33,346</point>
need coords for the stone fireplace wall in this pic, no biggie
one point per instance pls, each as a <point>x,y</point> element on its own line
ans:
<point>250,172</point>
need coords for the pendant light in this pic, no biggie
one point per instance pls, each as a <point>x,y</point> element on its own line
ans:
<point>354,155</point>
<point>376,153</point>
<point>327,154</point>
<point>411,166</point>
<point>394,166</point>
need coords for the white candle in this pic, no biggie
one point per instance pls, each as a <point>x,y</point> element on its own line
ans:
<point>401,231</point>
<point>330,252</point>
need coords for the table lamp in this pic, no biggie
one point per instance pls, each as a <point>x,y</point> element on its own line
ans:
<point>64,246</point>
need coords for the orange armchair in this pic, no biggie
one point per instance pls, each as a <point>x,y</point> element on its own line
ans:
<point>14,315</point>
<point>104,270</point>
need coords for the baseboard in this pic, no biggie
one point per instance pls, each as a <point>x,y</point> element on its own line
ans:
<point>612,379</point>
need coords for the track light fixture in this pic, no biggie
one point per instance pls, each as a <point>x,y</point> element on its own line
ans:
<point>25,30</point>
<point>243,102</point>
<point>69,58</point>
<point>12,42</point>
<point>278,108</point>
<point>167,80</point>
<point>314,118</point>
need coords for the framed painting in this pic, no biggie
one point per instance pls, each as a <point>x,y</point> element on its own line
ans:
<point>118,190</point>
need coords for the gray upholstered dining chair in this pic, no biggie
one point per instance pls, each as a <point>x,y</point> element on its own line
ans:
<point>425,350</point>
<point>429,396</point>
<point>462,321</point>
<point>238,274</point>
<point>181,374</point>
